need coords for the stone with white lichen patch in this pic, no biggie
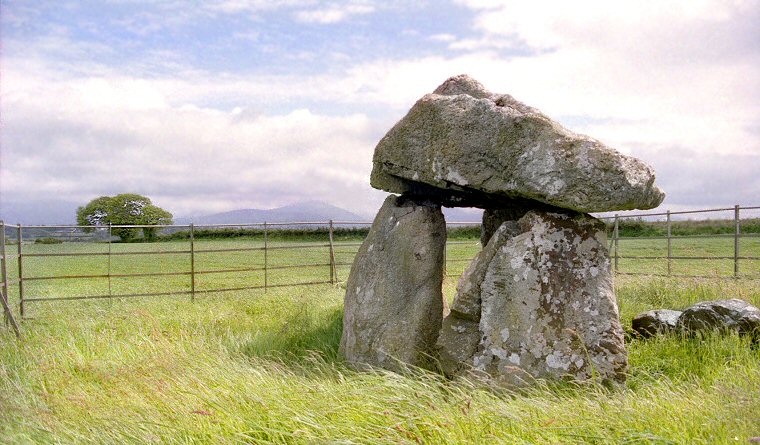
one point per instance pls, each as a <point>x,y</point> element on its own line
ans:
<point>465,146</point>
<point>547,306</point>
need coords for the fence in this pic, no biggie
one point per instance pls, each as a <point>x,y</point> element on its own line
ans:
<point>265,258</point>
<point>721,243</point>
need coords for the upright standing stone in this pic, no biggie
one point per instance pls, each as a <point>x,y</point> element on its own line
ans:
<point>547,305</point>
<point>460,332</point>
<point>394,301</point>
<point>494,218</point>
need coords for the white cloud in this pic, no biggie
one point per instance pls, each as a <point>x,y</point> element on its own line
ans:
<point>110,135</point>
<point>333,13</point>
<point>664,72</point>
<point>443,37</point>
<point>677,84</point>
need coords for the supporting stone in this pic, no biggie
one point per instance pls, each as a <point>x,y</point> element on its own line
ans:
<point>547,306</point>
<point>460,334</point>
<point>494,218</point>
<point>394,301</point>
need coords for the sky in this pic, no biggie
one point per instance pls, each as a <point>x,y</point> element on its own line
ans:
<point>218,105</point>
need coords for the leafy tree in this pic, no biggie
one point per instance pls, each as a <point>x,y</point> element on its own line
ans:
<point>124,209</point>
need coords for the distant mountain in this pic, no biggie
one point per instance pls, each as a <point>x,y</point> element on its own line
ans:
<point>463,214</point>
<point>38,212</point>
<point>61,212</point>
<point>309,211</point>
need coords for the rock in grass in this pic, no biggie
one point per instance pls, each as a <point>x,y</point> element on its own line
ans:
<point>394,301</point>
<point>722,315</point>
<point>465,146</point>
<point>547,306</point>
<point>650,323</point>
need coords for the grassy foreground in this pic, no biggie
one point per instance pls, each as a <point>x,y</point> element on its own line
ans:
<point>250,367</point>
<point>264,369</point>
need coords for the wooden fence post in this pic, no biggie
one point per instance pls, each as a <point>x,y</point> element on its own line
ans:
<point>192,262</point>
<point>737,234</point>
<point>332,256</point>
<point>670,251</point>
<point>20,273</point>
<point>616,240</point>
<point>266,242</point>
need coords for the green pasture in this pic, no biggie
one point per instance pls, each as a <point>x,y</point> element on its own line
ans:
<point>749,246</point>
<point>255,367</point>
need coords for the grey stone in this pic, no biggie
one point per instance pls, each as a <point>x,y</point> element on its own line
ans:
<point>547,306</point>
<point>494,218</point>
<point>394,301</point>
<point>464,146</point>
<point>460,334</point>
<point>650,323</point>
<point>722,315</point>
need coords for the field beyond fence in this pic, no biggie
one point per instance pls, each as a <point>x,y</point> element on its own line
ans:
<point>65,263</point>
<point>262,365</point>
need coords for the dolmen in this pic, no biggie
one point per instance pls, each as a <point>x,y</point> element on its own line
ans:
<point>537,302</point>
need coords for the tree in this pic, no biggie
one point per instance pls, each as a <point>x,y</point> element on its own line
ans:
<point>124,209</point>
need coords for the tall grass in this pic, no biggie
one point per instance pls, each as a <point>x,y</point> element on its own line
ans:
<point>263,368</point>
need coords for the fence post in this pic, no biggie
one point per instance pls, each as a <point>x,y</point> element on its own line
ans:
<point>737,234</point>
<point>110,235</point>
<point>332,256</point>
<point>192,262</point>
<point>4,267</point>
<point>266,242</point>
<point>670,251</point>
<point>9,316</point>
<point>445,248</point>
<point>20,273</point>
<point>616,241</point>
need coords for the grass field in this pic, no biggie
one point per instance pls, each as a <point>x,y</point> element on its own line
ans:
<point>255,367</point>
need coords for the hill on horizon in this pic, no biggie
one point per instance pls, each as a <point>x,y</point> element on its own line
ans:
<point>308,211</point>
<point>63,212</point>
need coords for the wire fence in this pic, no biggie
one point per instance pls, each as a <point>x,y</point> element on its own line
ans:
<point>67,262</point>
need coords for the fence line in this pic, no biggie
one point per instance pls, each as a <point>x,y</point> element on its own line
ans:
<point>330,261</point>
<point>736,235</point>
<point>23,299</point>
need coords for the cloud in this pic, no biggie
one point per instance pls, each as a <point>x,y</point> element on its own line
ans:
<point>664,73</point>
<point>108,136</point>
<point>333,13</point>
<point>443,37</point>
<point>677,84</point>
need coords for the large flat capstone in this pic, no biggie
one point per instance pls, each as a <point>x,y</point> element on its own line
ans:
<point>547,307</point>
<point>394,301</point>
<point>465,146</point>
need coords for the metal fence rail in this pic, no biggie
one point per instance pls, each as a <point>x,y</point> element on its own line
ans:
<point>191,253</point>
<point>322,254</point>
<point>669,257</point>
